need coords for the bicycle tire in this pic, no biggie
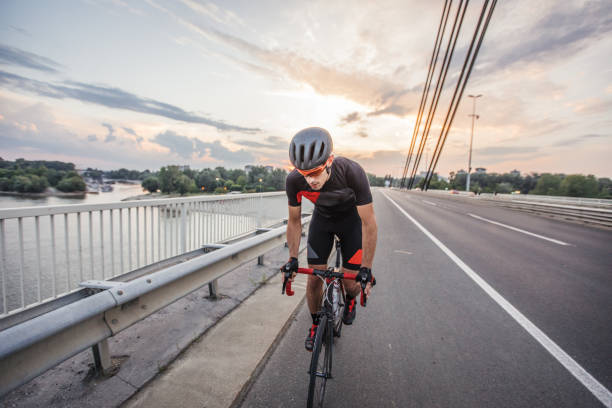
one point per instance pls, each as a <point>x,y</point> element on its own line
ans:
<point>338,318</point>
<point>320,366</point>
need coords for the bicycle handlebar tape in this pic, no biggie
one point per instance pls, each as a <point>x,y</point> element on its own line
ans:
<point>288,289</point>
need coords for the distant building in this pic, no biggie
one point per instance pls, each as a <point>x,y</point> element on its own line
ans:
<point>461,172</point>
<point>183,167</point>
<point>515,172</point>
<point>481,170</point>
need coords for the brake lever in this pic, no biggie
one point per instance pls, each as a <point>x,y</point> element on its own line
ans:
<point>287,285</point>
<point>364,284</point>
<point>364,300</point>
<point>285,279</point>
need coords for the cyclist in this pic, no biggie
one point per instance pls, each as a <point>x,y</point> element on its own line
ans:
<point>339,189</point>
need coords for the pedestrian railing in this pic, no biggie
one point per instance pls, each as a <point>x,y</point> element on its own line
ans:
<point>45,252</point>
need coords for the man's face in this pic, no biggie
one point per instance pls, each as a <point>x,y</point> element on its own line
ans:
<point>316,181</point>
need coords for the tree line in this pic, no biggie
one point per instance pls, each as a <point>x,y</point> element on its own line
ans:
<point>175,179</point>
<point>572,185</point>
<point>25,176</point>
<point>35,176</point>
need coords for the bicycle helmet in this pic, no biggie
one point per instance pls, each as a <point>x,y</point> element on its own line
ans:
<point>310,148</point>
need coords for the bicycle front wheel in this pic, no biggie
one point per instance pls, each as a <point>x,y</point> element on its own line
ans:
<point>338,307</point>
<point>320,365</point>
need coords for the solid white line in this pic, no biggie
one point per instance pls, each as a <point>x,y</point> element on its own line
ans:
<point>429,202</point>
<point>594,386</point>
<point>519,230</point>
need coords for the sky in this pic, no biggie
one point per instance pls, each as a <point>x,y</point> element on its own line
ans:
<point>144,84</point>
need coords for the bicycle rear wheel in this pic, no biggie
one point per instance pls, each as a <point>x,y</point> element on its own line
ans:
<point>320,365</point>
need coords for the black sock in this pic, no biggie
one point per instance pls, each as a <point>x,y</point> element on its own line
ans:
<point>350,297</point>
<point>315,318</point>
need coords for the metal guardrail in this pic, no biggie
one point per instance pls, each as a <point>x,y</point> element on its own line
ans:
<point>47,251</point>
<point>586,210</point>
<point>589,215</point>
<point>579,201</point>
<point>31,347</point>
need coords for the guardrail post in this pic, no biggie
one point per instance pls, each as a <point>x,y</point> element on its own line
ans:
<point>213,288</point>
<point>102,359</point>
<point>260,258</point>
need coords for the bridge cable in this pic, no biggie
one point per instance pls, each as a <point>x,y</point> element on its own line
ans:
<point>448,122</point>
<point>432,66</point>
<point>448,55</point>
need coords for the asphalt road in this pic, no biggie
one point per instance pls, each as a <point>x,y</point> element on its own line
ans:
<point>432,337</point>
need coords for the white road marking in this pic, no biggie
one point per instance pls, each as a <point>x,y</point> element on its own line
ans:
<point>403,252</point>
<point>430,203</point>
<point>586,379</point>
<point>519,230</point>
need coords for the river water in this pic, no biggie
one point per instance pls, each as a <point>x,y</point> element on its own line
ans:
<point>120,192</point>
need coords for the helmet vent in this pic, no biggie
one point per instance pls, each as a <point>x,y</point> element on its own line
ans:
<point>321,149</point>
<point>311,153</point>
<point>300,159</point>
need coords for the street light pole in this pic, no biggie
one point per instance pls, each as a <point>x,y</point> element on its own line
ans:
<point>474,116</point>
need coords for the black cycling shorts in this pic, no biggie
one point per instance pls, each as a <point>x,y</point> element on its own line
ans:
<point>321,239</point>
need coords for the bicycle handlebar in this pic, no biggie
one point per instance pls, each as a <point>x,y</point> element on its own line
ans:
<point>328,273</point>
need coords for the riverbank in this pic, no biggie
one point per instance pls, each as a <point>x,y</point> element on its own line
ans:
<point>150,196</point>
<point>49,192</point>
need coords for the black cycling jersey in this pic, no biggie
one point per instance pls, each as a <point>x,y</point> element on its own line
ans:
<point>346,188</point>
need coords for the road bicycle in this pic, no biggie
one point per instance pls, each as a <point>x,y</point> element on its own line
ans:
<point>330,323</point>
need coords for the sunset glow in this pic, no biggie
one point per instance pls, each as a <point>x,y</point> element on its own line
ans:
<point>113,84</point>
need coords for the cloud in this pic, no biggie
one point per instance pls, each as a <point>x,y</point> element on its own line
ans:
<point>217,151</point>
<point>110,137</point>
<point>130,131</point>
<point>385,96</point>
<point>558,34</point>
<point>112,98</point>
<point>187,147</point>
<point>397,110</point>
<point>362,133</point>
<point>379,162</point>
<point>579,139</point>
<point>21,30</point>
<point>15,56</point>
<point>53,139</point>
<point>214,12</point>
<point>270,143</point>
<point>503,151</point>
<point>592,106</point>
<point>350,118</point>
<point>181,145</point>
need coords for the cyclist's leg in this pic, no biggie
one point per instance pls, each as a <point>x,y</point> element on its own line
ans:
<point>320,242</point>
<point>349,232</point>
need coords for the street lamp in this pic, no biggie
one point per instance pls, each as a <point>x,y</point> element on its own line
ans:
<point>474,116</point>
<point>260,189</point>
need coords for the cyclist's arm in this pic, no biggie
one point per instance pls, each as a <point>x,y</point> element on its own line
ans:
<point>369,233</point>
<point>294,230</point>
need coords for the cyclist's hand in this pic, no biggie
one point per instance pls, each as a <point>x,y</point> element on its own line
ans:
<point>365,278</point>
<point>290,267</point>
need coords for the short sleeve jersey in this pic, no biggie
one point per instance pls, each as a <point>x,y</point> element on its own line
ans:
<point>346,188</point>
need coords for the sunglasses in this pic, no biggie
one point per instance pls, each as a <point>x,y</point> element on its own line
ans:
<point>316,172</point>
